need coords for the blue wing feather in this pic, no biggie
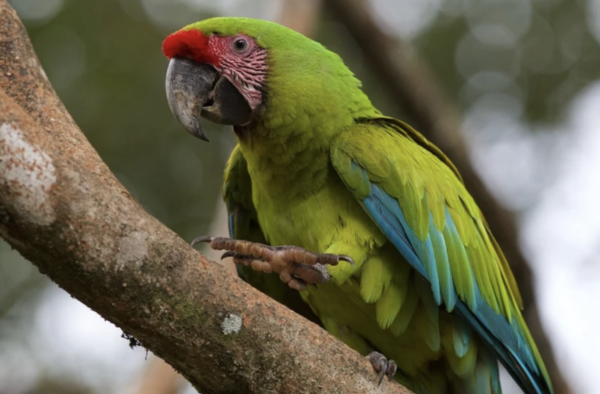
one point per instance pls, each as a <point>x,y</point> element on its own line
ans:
<point>497,332</point>
<point>231,220</point>
<point>443,265</point>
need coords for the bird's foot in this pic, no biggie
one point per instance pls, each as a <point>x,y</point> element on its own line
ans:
<point>296,266</point>
<point>382,365</point>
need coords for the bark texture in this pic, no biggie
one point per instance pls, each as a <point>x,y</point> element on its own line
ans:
<point>62,208</point>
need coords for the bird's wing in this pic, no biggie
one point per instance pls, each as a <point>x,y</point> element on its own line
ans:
<point>243,224</point>
<point>237,194</point>
<point>417,199</point>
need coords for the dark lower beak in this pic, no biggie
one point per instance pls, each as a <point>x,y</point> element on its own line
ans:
<point>196,89</point>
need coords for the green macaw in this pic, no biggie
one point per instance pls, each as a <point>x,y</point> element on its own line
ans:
<point>400,261</point>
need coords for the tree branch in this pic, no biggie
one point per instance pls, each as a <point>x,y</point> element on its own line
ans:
<point>409,82</point>
<point>62,209</point>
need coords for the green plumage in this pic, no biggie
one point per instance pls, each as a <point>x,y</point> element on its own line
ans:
<point>321,168</point>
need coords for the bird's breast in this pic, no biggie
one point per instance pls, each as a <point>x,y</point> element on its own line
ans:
<point>312,221</point>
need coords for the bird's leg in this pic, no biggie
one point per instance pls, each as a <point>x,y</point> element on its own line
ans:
<point>296,266</point>
<point>382,365</point>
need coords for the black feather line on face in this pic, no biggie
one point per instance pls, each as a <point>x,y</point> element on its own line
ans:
<point>242,132</point>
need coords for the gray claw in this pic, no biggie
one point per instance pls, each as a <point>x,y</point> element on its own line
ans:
<point>382,366</point>
<point>391,369</point>
<point>347,259</point>
<point>229,253</point>
<point>202,238</point>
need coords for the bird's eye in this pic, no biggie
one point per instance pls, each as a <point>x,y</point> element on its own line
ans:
<point>240,45</point>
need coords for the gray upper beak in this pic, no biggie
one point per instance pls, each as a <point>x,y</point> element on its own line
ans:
<point>188,86</point>
<point>197,89</point>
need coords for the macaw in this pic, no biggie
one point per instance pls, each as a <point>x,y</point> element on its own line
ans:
<point>350,217</point>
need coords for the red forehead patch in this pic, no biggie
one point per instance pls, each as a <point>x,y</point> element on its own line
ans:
<point>190,44</point>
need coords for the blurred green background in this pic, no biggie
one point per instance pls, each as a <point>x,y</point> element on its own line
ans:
<point>524,73</point>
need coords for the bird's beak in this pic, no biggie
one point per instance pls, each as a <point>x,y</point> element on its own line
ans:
<point>197,90</point>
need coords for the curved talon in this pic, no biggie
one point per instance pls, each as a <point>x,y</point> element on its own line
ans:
<point>381,375</point>
<point>391,369</point>
<point>229,253</point>
<point>296,266</point>
<point>202,238</point>
<point>347,259</point>
<point>382,366</point>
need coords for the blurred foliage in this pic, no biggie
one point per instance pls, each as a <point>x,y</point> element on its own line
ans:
<point>542,53</point>
<point>105,62</point>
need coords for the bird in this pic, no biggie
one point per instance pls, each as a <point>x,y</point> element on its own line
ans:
<point>350,217</point>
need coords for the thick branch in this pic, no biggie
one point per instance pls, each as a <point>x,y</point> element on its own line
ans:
<point>409,82</point>
<point>62,209</point>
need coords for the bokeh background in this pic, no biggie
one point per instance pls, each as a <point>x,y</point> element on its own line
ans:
<point>523,74</point>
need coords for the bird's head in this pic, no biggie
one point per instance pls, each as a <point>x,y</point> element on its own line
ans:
<point>228,70</point>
